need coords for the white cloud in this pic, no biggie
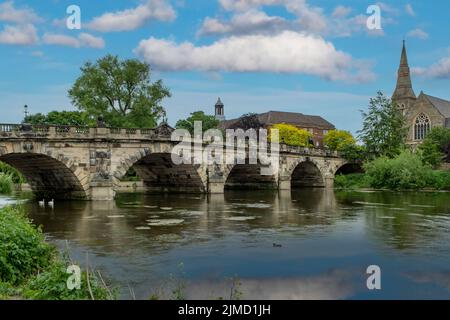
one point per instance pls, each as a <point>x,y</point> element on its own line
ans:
<point>440,70</point>
<point>249,22</point>
<point>132,19</point>
<point>9,13</point>
<point>418,33</point>
<point>341,12</point>
<point>286,52</point>
<point>19,35</point>
<point>409,10</point>
<point>83,40</point>
<point>91,41</point>
<point>242,5</point>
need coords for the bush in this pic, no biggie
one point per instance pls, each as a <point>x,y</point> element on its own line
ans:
<point>351,181</point>
<point>405,171</point>
<point>52,285</point>
<point>435,145</point>
<point>23,251</point>
<point>440,180</point>
<point>30,268</point>
<point>16,176</point>
<point>292,135</point>
<point>6,183</point>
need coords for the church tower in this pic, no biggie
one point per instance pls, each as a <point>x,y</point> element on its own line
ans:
<point>404,94</point>
<point>220,112</point>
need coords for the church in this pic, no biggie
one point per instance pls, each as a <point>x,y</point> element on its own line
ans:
<point>422,112</point>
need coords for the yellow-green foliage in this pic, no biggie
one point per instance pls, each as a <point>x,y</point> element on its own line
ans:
<point>292,135</point>
<point>338,139</point>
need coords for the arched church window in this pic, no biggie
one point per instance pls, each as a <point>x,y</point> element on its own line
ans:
<point>422,126</point>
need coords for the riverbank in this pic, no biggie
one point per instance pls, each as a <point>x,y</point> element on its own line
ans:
<point>31,268</point>
<point>436,180</point>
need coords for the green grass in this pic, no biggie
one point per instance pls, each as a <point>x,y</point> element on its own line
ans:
<point>6,183</point>
<point>30,268</point>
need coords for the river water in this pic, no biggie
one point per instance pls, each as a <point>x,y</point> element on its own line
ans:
<point>308,244</point>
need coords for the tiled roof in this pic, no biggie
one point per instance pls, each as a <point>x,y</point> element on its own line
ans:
<point>442,105</point>
<point>297,119</point>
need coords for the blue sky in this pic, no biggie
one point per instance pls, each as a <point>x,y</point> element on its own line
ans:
<point>315,57</point>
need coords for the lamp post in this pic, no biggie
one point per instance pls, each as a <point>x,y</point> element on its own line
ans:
<point>25,111</point>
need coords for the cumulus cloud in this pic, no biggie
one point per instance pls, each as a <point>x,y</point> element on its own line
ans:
<point>134,18</point>
<point>418,33</point>
<point>19,35</point>
<point>440,70</point>
<point>249,22</point>
<point>9,13</point>
<point>241,5</point>
<point>341,12</point>
<point>286,52</point>
<point>83,40</point>
<point>409,10</point>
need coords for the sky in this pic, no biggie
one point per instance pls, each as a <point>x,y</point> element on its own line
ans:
<point>310,56</point>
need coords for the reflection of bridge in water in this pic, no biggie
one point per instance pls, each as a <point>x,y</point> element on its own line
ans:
<point>80,162</point>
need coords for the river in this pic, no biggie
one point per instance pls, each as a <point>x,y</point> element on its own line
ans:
<point>308,244</point>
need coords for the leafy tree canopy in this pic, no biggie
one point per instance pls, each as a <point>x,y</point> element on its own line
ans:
<point>246,122</point>
<point>208,122</point>
<point>63,118</point>
<point>338,139</point>
<point>292,135</point>
<point>436,146</point>
<point>120,92</point>
<point>384,129</point>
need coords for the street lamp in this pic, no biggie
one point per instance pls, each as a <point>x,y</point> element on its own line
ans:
<point>25,108</point>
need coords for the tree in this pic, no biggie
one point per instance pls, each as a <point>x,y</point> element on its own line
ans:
<point>338,139</point>
<point>208,122</point>
<point>292,135</point>
<point>62,118</point>
<point>120,92</point>
<point>246,122</point>
<point>384,128</point>
<point>434,148</point>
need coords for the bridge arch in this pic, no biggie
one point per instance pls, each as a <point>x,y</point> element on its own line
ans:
<point>348,168</point>
<point>155,167</point>
<point>248,176</point>
<point>306,174</point>
<point>49,177</point>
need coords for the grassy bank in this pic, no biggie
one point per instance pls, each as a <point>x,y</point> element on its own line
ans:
<point>30,268</point>
<point>9,178</point>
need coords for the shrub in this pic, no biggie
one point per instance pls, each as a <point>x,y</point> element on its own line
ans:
<point>292,135</point>
<point>351,181</point>
<point>338,139</point>
<point>23,251</point>
<point>52,285</point>
<point>6,183</point>
<point>405,171</point>
<point>16,176</point>
<point>435,145</point>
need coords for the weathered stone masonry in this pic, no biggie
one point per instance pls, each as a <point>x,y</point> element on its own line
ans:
<point>88,163</point>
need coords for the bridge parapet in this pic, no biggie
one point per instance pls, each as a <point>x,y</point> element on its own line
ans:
<point>162,132</point>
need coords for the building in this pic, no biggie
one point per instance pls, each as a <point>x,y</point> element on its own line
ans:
<point>423,112</point>
<point>316,125</point>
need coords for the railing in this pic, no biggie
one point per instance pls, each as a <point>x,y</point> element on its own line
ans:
<point>50,130</point>
<point>8,127</point>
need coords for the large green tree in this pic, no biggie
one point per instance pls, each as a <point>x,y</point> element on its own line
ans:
<point>384,128</point>
<point>66,118</point>
<point>436,146</point>
<point>119,91</point>
<point>208,122</point>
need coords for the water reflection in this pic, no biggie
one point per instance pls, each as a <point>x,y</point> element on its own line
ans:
<point>325,241</point>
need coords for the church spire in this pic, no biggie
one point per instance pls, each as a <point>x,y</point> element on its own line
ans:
<point>404,89</point>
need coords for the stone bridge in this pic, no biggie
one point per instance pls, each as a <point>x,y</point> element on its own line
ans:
<point>65,162</point>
